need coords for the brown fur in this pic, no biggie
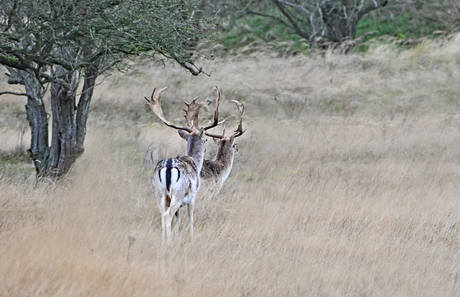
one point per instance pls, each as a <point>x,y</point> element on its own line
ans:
<point>214,173</point>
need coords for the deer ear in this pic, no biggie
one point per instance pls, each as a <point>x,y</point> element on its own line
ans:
<point>184,134</point>
<point>202,132</point>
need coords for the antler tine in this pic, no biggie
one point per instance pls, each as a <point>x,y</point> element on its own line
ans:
<point>155,105</point>
<point>239,131</point>
<point>191,114</point>
<point>216,112</point>
<point>215,135</point>
<point>240,107</point>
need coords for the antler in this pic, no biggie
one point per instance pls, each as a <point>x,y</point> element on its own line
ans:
<point>191,114</point>
<point>155,105</point>
<point>216,112</point>
<point>193,108</point>
<point>239,131</point>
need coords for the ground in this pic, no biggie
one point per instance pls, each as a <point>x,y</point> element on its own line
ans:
<point>347,183</point>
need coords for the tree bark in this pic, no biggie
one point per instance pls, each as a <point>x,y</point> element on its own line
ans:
<point>38,122</point>
<point>91,74</point>
<point>64,128</point>
<point>37,117</point>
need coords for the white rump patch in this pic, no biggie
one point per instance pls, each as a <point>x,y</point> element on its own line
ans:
<point>163,176</point>
<point>174,176</point>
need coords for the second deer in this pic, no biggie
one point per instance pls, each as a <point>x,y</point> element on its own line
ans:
<point>215,172</point>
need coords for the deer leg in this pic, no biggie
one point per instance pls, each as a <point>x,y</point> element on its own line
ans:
<point>161,206</point>
<point>173,211</point>
<point>190,215</point>
<point>163,228</point>
<point>176,222</point>
<point>167,222</point>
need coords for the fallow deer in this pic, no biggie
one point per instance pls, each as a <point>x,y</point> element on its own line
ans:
<point>176,181</point>
<point>215,172</point>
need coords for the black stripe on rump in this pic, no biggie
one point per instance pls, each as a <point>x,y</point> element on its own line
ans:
<point>168,173</point>
<point>168,166</point>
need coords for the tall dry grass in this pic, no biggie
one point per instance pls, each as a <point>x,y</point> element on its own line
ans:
<point>347,184</point>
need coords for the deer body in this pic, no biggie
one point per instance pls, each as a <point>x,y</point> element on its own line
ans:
<point>176,181</point>
<point>169,178</point>
<point>215,172</point>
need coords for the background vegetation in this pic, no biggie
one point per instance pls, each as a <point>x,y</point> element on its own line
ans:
<point>403,21</point>
<point>347,182</point>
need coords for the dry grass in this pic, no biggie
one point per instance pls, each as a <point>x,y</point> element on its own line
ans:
<point>355,194</point>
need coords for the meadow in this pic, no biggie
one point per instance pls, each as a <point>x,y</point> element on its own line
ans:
<point>346,183</point>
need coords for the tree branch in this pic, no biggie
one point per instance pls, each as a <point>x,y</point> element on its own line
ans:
<point>371,7</point>
<point>191,68</point>
<point>13,93</point>
<point>299,31</point>
<point>12,62</point>
<point>270,16</point>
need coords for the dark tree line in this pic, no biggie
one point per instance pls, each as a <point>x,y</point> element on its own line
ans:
<point>331,20</point>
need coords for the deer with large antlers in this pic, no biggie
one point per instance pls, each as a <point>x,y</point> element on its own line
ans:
<point>215,172</point>
<point>177,181</point>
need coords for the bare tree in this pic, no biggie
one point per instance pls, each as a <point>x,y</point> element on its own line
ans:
<point>333,20</point>
<point>55,44</point>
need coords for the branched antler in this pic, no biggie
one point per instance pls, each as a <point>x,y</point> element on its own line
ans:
<point>216,112</point>
<point>155,105</point>
<point>191,114</point>
<point>239,131</point>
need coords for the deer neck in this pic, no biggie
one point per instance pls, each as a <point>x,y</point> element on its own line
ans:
<point>224,158</point>
<point>195,150</point>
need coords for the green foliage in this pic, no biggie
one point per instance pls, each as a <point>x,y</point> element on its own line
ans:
<point>15,162</point>
<point>37,34</point>
<point>404,26</point>
<point>399,20</point>
<point>252,29</point>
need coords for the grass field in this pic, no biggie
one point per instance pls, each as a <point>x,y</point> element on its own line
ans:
<point>347,183</point>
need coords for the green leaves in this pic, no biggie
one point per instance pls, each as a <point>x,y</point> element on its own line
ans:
<point>38,34</point>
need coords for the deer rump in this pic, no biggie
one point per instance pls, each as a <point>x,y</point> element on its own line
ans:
<point>172,182</point>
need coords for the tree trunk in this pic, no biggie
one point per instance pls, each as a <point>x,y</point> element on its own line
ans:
<point>69,120</point>
<point>341,17</point>
<point>64,128</point>
<point>39,150</point>
<point>37,117</point>
<point>83,105</point>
